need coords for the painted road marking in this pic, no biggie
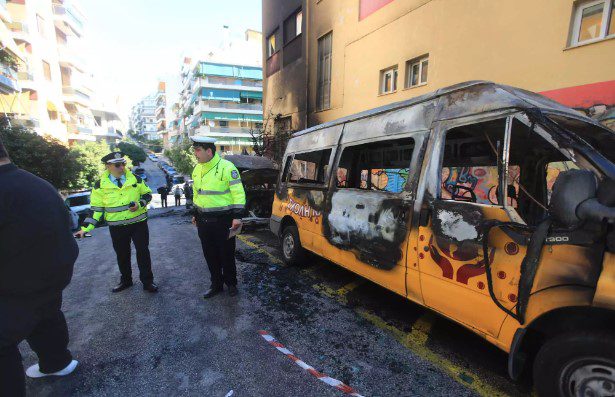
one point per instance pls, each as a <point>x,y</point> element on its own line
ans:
<point>320,376</point>
<point>415,340</point>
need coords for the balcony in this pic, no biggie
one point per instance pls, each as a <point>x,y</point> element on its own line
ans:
<point>69,58</point>
<point>72,95</point>
<point>8,80</point>
<point>20,30</point>
<point>224,132</point>
<point>4,12</point>
<point>66,19</point>
<point>26,81</point>
<point>228,107</point>
<point>224,84</point>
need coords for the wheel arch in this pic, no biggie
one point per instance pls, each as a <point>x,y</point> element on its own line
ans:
<point>527,341</point>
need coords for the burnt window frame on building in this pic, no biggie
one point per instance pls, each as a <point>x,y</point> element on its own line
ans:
<point>393,71</point>
<point>322,167</point>
<point>355,157</point>
<point>272,65</point>
<point>418,61</point>
<point>292,22</point>
<point>323,92</point>
<point>607,21</point>
<point>272,51</point>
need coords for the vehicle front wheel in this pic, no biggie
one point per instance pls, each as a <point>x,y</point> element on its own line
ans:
<point>292,251</point>
<point>579,364</point>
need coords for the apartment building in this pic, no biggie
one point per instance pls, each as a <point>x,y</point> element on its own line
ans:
<point>326,59</point>
<point>221,95</point>
<point>148,116</point>
<point>11,60</point>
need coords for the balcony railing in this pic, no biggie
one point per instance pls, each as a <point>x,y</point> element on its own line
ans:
<point>20,30</point>
<point>68,16</point>
<point>213,82</point>
<point>221,106</point>
<point>237,131</point>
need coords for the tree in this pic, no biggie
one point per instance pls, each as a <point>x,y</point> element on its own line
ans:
<point>88,157</point>
<point>270,141</point>
<point>47,158</point>
<point>134,152</point>
<point>182,157</point>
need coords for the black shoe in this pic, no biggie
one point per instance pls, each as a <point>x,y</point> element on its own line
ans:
<point>212,292</point>
<point>122,286</point>
<point>151,287</point>
<point>232,290</point>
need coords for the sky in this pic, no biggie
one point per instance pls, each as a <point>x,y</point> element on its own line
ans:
<point>133,44</point>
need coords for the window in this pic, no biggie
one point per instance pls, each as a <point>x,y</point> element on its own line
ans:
<point>223,123</point>
<point>324,72</point>
<point>40,23</point>
<point>388,80</point>
<point>381,166</point>
<point>416,71</point>
<point>271,45</point>
<point>47,70</point>
<point>593,20</point>
<point>308,168</point>
<point>293,26</point>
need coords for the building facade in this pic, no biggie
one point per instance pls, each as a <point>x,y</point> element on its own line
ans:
<point>56,94</point>
<point>326,59</point>
<point>221,95</point>
<point>148,117</point>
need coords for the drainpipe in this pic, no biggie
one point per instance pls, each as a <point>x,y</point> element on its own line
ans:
<point>307,63</point>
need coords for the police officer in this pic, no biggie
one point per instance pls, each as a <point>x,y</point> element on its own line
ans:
<point>219,202</point>
<point>123,197</point>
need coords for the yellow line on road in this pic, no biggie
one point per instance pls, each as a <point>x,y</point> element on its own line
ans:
<point>415,340</point>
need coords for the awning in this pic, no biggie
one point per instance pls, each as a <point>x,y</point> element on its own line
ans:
<point>251,95</point>
<point>231,116</point>
<point>17,103</point>
<point>51,107</point>
<point>220,95</point>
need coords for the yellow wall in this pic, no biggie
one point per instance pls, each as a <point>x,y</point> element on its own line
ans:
<point>517,42</point>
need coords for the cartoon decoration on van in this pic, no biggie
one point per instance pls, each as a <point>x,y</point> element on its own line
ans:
<point>443,251</point>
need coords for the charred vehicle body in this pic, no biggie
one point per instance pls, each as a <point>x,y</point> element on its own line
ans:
<point>258,175</point>
<point>488,204</point>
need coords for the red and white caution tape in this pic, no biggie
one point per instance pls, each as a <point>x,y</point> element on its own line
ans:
<point>322,377</point>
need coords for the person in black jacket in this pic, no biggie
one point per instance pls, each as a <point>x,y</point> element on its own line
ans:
<point>37,254</point>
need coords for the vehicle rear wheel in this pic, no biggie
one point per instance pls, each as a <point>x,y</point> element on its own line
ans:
<point>292,251</point>
<point>580,364</point>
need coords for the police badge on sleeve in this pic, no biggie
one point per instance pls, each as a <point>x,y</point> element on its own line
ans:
<point>234,174</point>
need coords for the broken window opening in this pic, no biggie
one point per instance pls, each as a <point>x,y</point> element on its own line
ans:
<point>473,164</point>
<point>308,168</point>
<point>379,166</point>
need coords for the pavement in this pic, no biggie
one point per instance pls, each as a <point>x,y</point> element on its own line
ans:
<point>176,343</point>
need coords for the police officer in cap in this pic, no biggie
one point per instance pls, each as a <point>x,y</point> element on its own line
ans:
<point>122,198</point>
<point>219,203</point>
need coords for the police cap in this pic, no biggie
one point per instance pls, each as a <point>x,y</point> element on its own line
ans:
<point>202,139</point>
<point>114,157</point>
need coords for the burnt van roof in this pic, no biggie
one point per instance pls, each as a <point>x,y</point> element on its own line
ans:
<point>464,99</point>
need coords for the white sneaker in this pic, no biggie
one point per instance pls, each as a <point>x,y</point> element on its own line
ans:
<point>35,372</point>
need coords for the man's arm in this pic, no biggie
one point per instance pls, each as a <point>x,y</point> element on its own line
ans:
<point>96,209</point>
<point>146,194</point>
<point>238,194</point>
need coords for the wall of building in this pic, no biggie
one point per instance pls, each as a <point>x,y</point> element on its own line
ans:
<point>523,43</point>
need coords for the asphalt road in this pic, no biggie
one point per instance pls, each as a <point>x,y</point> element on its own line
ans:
<point>176,343</point>
<point>156,179</point>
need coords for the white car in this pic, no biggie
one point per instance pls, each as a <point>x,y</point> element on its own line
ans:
<point>79,203</point>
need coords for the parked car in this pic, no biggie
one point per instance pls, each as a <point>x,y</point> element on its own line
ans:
<point>490,205</point>
<point>140,172</point>
<point>153,157</point>
<point>178,179</point>
<point>79,203</point>
<point>162,164</point>
<point>259,176</point>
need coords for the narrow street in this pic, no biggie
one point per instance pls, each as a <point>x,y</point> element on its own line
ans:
<point>176,343</point>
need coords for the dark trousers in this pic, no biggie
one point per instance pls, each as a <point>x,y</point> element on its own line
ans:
<point>164,201</point>
<point>41,323</point>
<point>139,234</point>
<point>178,201</point>
<point>218,249</point>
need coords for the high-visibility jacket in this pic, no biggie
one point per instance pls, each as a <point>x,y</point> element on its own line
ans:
<point>113,202</point>
<point>217,189</point>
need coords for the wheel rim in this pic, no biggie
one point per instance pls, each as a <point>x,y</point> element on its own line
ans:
<point>585,378</point>
<point>288,245</point>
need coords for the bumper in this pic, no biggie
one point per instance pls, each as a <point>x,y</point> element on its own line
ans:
<point>274,225</point>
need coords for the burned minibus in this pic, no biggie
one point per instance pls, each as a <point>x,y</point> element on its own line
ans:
<point>490,205</point>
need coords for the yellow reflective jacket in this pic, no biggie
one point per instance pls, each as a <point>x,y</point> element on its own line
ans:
<point>217,188</point>
<point>111,201</point>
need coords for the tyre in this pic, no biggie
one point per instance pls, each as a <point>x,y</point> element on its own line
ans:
<point>292,251</point>
<point>579,364</point>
